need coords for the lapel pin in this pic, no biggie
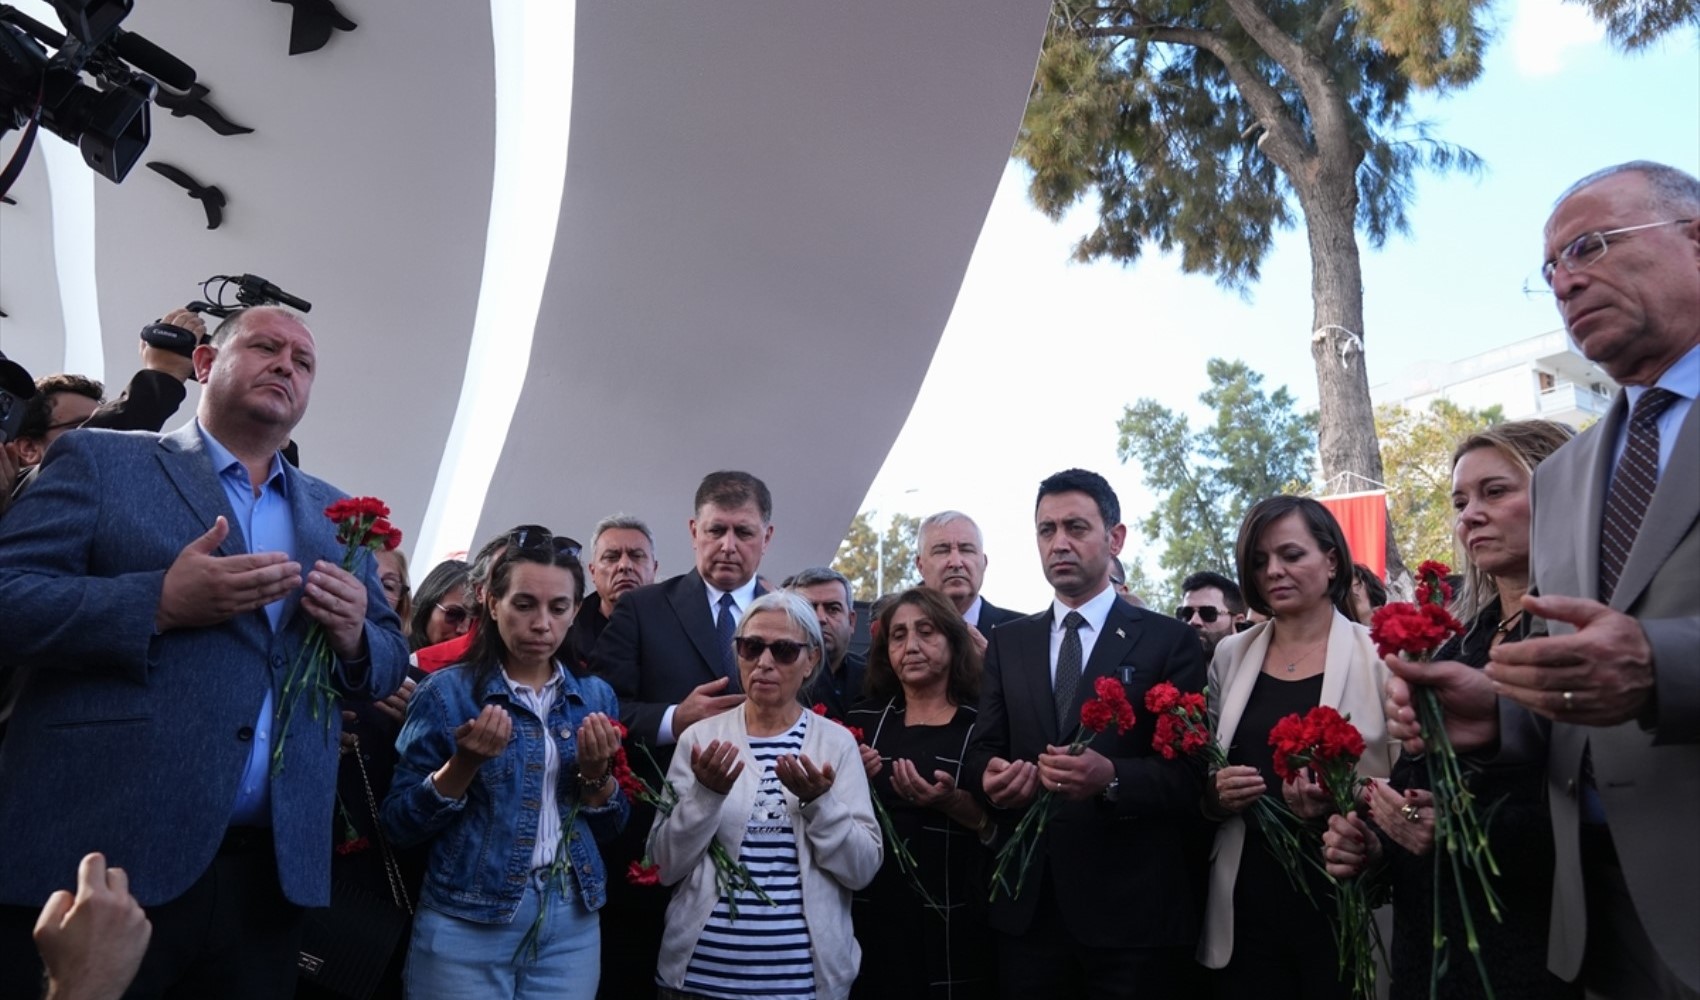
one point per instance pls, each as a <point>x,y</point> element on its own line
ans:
<point>1120,634</point>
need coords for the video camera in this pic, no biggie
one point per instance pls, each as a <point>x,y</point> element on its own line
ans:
<point>250,290</point>
<point>109,123</point>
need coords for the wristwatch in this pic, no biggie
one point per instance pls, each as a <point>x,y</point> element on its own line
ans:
<point>1112,791</point>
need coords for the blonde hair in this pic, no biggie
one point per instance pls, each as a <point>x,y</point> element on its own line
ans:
<point>1525,443</point>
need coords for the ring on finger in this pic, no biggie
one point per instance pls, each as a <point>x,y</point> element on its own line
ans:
<point>1410,812</point>
<point>1569,701</point>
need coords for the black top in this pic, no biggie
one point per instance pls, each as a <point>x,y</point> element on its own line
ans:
<point>1272,700</point>
<point>1520,831</point>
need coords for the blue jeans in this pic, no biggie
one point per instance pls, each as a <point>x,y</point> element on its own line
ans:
<point>451,958</point>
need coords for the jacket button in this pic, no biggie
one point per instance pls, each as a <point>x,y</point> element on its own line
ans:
<point>277,661</point>
<point>1570,788</point>
<point>245,734</point>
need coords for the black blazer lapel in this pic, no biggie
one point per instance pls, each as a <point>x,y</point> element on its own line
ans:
<point>1035,659</point>
<point>690,603</point>
<point>1109,652</point>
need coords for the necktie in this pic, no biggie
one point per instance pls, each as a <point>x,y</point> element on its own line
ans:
<point>1068,674</point>
<point>726,623</point>
<point>1631,487</point>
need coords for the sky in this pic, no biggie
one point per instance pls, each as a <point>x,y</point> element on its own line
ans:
<point>1041,355</point>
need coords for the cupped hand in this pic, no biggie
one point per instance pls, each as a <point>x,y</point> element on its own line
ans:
<point>799,774</point>
<point>483,739</point>
<point>1010,784</point>
<point>716,766</point>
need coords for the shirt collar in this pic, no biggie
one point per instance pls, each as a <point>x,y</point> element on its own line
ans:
<point>556,679</point>
<point>742,596</point>
<point>972,616</point>
<point>1682,378</point>
<point>1094,611</point>
<point>224,461</point>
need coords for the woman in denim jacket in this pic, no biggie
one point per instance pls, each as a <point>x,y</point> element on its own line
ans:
<point>504,767</point>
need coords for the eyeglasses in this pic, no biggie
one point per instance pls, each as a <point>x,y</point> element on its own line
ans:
<point>1206,614</point>
<point>1586,250</point>
<point>785,652</point>
<point>72,424</point>
<point>454,614</point>
<point>538,540</point>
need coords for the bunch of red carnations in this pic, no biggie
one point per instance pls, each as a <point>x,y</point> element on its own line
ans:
<point>1108,706</point>
<point>362,525</point>
<point>1414,632</point>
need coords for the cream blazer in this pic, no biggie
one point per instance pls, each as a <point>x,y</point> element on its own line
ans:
<point>1352,681</point>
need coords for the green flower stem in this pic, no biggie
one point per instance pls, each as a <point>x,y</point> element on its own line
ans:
<point>899,850</point>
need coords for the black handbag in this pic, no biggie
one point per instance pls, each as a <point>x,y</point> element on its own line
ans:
<point>346,946</point>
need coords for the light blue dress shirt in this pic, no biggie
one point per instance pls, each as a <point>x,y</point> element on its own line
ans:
<point>267,525</point>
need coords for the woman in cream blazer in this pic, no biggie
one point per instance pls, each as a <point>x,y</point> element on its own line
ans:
<point>1294,566</point>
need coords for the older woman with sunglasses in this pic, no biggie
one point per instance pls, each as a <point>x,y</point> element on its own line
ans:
<point>506,770</point>
<point>782,791</point>
<point>442,605</point>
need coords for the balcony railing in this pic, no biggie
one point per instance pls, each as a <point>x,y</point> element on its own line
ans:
<point>1569,396</point>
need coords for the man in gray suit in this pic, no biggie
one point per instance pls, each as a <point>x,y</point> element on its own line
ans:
<point>1615,551</point>
<point>153,593</point>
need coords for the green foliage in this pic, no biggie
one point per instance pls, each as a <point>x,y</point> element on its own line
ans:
<point>1206,480</point>
<point>1416,449</point>
<point>865,554</point>
<point>1635,24</point>
<point>1164,109</point>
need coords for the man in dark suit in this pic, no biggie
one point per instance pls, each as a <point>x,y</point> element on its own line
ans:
<point>667,652</point>
<point>1110,907</point>
<point>839,683</point>
<point>154,596</point>
<point>622,559</point>
<point>951,557</point>
<point>1612,695</point>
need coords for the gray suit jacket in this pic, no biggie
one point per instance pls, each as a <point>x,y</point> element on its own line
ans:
<point>1648,772</point>
<point>132,742</point>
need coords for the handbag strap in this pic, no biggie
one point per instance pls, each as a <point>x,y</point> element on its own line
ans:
<point>398,890</point>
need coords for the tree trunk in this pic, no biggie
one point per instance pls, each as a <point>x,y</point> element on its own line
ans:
<point>1351,454</point>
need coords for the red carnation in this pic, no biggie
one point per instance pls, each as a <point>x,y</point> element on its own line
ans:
<point>857,734</point>
<point>638,873</point>
<point>1162,697</point>
<point>819,708</point>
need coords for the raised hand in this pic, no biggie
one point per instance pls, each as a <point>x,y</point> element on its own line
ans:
<point>716,766</point>
<point>203,589</point>
<point>799,774</point>
<point>481,740</point>
<point>703,701</point>
<point>1010,784</point>
<point>92,943</point>
<point>336,599</point>
<point>1599,675</point>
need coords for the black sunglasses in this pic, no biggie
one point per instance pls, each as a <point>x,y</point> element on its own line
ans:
<point>538,540</point>
<point>785,652</point>
<point>454,614</point>
<point>1207,614</point>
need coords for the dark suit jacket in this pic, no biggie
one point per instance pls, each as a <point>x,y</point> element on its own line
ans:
<point>991,616</point>
<point>1648,772</point>
<point>658,645</point>
<point>1121,871</point>
<point>130,742</point>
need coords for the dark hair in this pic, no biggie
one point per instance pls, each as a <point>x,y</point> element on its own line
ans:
<point>488,650</point>
<point>815,575</point>
<point>962,680</point>
<point>729,490</point>
<point>444,577</point>
<point>1374,589</point>
<point>1231,595</point>
<point>1322,527</point>
<point>38,410</point>
<point>1089,483</point>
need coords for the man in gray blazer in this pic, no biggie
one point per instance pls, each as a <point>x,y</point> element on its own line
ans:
<point>1615,555</point>
<point>157,591</point>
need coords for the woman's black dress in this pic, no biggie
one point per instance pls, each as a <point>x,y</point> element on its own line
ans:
<point>909,950</point>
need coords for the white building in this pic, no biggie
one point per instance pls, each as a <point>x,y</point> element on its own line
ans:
<point>1544,376</point>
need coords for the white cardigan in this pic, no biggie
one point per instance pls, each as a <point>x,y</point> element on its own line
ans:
<point>839,846</point>
<point>1353,678</point>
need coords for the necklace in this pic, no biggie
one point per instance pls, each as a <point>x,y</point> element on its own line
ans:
<point>1293,667</point>
<point>1506,624</point>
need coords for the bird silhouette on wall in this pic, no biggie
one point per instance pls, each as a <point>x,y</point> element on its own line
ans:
<point>313,23</point>
<point>210,197</point>
<point>193,103</point>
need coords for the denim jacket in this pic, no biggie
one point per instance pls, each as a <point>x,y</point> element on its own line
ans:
<point>481,844</point>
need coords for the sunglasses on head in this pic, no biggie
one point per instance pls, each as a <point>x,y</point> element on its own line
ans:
<point>785,652</point>
<point>1206,614</point>
<point>538,540</point>
<point>454,614</point>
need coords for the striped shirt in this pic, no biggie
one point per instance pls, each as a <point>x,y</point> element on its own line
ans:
<point>765,951</point>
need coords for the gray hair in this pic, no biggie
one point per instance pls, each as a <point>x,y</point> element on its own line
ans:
<point>801,614</point>
<point>945,517</point>
<point>1670,189</point>
<point>621,521</point>
<point>821,574</point>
